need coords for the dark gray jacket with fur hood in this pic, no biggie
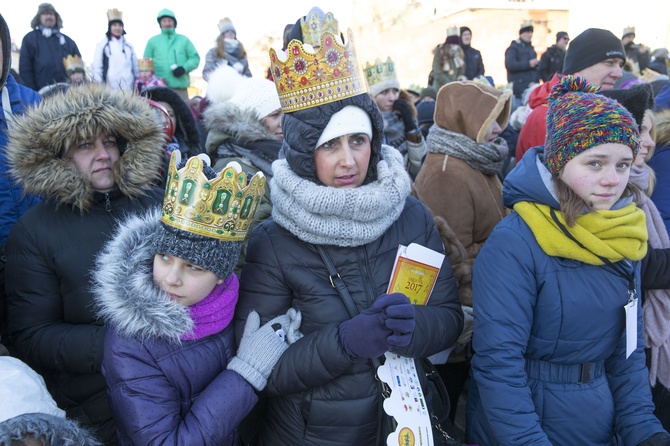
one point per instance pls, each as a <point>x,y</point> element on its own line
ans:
<point>52,247</point>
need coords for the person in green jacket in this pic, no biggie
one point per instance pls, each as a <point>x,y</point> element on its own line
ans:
<point>174,55</point>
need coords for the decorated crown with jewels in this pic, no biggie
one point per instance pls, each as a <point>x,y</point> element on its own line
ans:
<point>73,63</point>
<point>380,71</point>
<point>315,23</point>
<point>306,78</point>
<point>221,208</point>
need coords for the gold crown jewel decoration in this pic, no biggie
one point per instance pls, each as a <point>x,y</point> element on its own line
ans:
<point>305,78</point>
<point>221,208</point>
<point>114,14</point>
<point>380,71</point>
<point>145,64</point>
<point>73,63</point>
<point>315,23</point>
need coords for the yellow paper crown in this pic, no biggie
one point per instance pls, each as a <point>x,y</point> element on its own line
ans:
<point>221,208</point>
<point>452,31</point>
<point>146,64</point>
<point>380,71</point>
<point>306,79</point>
<point>114,14</point>
<point>73,64</point>
<point>628,30</point>
<point>315,23</point>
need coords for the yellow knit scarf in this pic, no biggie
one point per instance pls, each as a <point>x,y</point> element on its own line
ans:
<point>613,235</point>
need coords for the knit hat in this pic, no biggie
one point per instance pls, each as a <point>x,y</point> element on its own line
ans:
<point>350,119</point>
<point>257,94</point>
<point>637,99</point>
<point>217,256</point>
<point>590,47</point>
<point>580,118</point>
<point>166,13</point>
<point>560,35</point>
<point>428,92</point>
<point>526,26</point>
<point>43,9</point>
<point>226,25</point>
<point>425,111</point>
<point>469,108</point>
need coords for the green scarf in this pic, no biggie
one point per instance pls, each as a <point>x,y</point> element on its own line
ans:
<point>613,235</point>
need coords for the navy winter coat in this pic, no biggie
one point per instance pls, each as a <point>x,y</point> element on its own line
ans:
<point>542,325</point>
<point>41,61</point>
<point>517,62</point>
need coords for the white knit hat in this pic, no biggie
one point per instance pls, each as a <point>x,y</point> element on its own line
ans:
<point>257,94</point>
<point>350,119</point>
<point>23,391</point>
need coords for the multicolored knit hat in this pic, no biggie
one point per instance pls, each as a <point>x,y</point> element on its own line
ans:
<point>580,118</point>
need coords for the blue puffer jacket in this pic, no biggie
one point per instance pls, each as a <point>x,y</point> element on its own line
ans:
<point>13,203</point>
<point>540,323</point>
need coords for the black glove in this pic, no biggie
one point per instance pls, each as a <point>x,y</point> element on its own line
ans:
<point>659,439</point>
<point>179,71</point>
<point>401,107</point>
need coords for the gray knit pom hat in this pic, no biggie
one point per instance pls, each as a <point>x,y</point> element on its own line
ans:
<point>217,256</point>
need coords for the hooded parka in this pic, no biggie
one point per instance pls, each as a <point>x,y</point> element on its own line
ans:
<point>52,247</point>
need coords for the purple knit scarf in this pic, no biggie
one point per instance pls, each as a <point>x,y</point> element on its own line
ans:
<point>214,312</point>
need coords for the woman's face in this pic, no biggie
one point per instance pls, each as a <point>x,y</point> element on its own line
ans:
<point>272,122</point>
<point>647,143</point>
<point>343,161</point>
<point>386,98</point>
<point>599,175</point>
<point>170,111</point>
<point>116,29</point>
<point>94,158</point>
<point>184,282</point>
<point>492,132</point>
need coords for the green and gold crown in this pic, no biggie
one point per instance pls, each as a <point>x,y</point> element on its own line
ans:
<point>380,71</point>
<point>315,23</point>
<point>305,78</point>
<point>221,208</point>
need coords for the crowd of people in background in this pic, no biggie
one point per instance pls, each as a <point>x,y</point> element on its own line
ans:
<point>215,270</point>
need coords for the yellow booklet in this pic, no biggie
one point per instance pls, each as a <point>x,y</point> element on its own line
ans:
<point>415,272</point>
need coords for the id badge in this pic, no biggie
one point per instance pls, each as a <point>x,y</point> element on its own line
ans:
<point>631,326</point>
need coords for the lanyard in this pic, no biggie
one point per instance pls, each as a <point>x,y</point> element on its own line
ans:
<point>618,270</point>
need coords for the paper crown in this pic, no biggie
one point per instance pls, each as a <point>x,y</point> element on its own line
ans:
<point>315,23</point>
<point>114,14</point>
<point>221,208</point>
<point>146,64</point>
<point>628,30</point>
<point>526,25</point>
<point>305,78</point>
<point>73,64</point>
<point>380,71</point>
<point>453,31</point>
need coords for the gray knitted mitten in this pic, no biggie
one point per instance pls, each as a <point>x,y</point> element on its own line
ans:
<point>260,348</point>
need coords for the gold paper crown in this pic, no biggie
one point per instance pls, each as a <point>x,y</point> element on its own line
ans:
<point>452,31</point>
<point>628,30</point>
<point>146,64</point>
<point>306,79</point>
<point>526,24</point>
<point>380,71</point>
<point>221,208</point>
<point>315,23</point>
<point>73,64</point>
<point>114,14</point>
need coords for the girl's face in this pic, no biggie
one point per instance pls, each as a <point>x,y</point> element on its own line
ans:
<point>386,98</point>
<point>343,161</point>
<point>647,143</point>
<point>116,29</point>
<point>599,175</point>
<point>145,75</point>
<point>272,122</point>
<point>170,111</point>
<point>184,282</point>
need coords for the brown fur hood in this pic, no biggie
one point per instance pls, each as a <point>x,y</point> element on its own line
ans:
<point>37,141</point>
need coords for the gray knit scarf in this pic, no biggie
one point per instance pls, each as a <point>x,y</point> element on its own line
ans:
<point>324,215</point>
<point>488,158</point>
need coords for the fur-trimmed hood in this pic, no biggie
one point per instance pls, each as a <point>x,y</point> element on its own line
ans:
<point>226,121</point>
<point>37,142</point>
<point>125,294</point>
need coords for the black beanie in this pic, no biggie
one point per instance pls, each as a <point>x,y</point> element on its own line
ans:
<point>590,47</point>
<point>637,99</point>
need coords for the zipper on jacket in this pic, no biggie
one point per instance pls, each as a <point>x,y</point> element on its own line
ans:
<point>365,273</point>
<point>108,203</point>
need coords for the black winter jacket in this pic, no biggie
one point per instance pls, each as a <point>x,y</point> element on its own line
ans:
<point>316,393</point>
<point>517,62</point>
<point>474,64</point>
<point>41,61</point>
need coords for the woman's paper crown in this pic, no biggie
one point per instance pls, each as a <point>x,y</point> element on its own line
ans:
<point>307,78</point>
<point>380,71</point>
<point>221,208</point>
<point>315,23</point>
